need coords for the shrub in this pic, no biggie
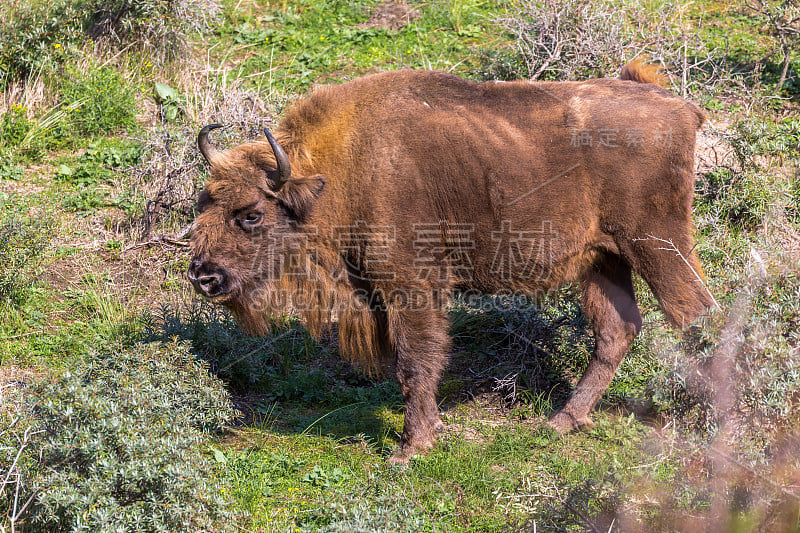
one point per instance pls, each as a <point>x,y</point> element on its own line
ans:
<point>116,444</point>
<point>384,513</point>
<point>578,39</point>
<point>741,199</point>
<point>569,40</point>
<point>23,239</point>
<point>37,37</point>
<point>100,102</point>
<point>99,162</point>
<point>161,27</point>
<point>757,142</point>
<point>23,138</point>
<point>10,170</point>
<point>764,373</point>
<point>746,190</point>
<point>14,126</point>
<point>554,345</point>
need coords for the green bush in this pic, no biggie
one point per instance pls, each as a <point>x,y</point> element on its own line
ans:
<point>37,37</point>
<point>117,444</point>
<point>22,138</point>
<point>362,515</point>
<point>161,27</point>
<point>100,102</point>
<point>9,170</point>
<point>764,372</point>
<point>99,163</point>
<point>739,199</point>
<point>754,137</point>
<point>14,126</point>
<point>746,192</point>
<point>23,239</point>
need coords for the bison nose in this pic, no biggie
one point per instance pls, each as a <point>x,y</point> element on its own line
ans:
<point>208,279</point>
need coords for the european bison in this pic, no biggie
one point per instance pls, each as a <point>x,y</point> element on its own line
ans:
<point>378,197</point>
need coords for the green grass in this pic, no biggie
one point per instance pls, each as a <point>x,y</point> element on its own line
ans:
<point>486,482</point>
<point>286,50</point>
<point>746,40</point>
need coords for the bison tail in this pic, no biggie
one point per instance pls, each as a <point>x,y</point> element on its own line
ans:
<point>639,71</point>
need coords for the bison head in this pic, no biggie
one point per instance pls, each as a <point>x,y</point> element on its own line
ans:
<point>247,222</point>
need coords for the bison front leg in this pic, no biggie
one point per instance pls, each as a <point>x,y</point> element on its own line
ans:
<point>610,304</point>
<point>421,343</point>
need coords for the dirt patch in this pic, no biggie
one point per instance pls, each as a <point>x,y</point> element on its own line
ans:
<point>20,187</point>
<point>391,16</point>
<point>712,149</point>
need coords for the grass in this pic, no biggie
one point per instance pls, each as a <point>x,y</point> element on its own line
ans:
<point>482,478</point>
<point>287,48</point>
<point>309,451</point>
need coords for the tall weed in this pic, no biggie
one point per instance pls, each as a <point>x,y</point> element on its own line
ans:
<point>23,240</point>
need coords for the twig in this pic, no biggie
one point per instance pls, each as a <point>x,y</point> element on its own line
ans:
<point>22,335</point>
<point>158,239</point>
<point>16,511</point>
<point>177,239</point>
<point>527,496</point>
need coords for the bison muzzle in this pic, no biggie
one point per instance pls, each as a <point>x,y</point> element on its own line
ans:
<point>379,197</point>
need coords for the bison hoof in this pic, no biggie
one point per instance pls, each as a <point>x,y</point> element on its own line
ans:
<point>406,453</point>
<point>409,449</point>
<point>566,423</point>
<point>400,458</point>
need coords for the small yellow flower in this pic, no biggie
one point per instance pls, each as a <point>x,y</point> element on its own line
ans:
<point>56,46</point>
<point>321,37</point>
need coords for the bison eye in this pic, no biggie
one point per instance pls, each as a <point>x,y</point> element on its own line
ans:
<point>250,221</point>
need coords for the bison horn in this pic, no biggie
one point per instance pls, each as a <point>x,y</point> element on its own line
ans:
<point>284,168</point>
<point>208,151</point>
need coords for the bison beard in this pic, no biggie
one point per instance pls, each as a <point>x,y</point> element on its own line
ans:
<point>582,180</point>
<point>319,292</point>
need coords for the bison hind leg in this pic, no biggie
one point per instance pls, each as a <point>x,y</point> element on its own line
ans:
<point>610,304</point>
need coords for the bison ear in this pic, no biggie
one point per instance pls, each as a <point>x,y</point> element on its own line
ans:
<point>298,195</point>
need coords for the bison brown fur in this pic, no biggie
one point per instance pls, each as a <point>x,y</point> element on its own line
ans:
<point>382,195</point>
